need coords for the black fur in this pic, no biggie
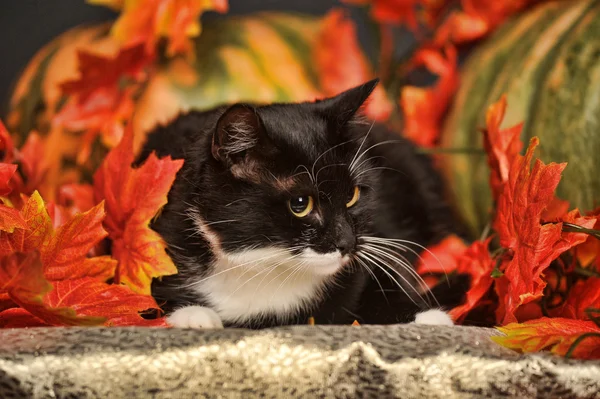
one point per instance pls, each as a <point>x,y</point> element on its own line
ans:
<point>229,176</point>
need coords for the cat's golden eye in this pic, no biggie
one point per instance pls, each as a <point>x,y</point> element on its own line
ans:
<point>353,197</point>
<point>301,206</point>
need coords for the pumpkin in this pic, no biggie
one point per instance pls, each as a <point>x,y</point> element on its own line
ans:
<point>547,62</point>
<point>266,57</point>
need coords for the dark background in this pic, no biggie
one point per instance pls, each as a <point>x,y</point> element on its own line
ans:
<point>27,25</point>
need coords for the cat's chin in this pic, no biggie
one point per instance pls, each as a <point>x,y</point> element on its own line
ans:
<point>324,264</point>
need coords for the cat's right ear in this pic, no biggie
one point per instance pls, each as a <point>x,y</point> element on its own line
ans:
<point>238,131</point>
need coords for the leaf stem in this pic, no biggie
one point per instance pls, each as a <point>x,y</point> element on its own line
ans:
<point>578,341</point>
<point>586,272</point>
<point>459,151</point>
<point>574,228</point>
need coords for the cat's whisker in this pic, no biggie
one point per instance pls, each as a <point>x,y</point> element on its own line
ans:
<point>229,269</point>
<point>374,146</point>
<point>368,269</point>
<point>354,159</point>
<point>252,267</point>
<point>374,260</point>
<point>325,167</point>
<point>378,168</point>
<point>273,267</point>
<point>367,160</point>
<point>406,266</point>
<point>298,268</point>
<point>396,242</point>
<point>270,271</point>
<point>322,155</point>
<point>391,268</point>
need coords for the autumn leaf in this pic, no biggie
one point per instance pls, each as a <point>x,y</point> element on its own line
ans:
<point>38,228</point>
<point>64,255</point>
<point>22,277</point>
<point>584,294</point>
<point>133,197</point>
<point>33,163</point>
<point>146,21</point>
<point>424,108</point>
<point>533,245</point>
<point>6,173</point>
<point>555,334</point>
<point>502,146</point>
<point>101,99</point>
<point>7,147</point>
<point>341,63</point>
<point>477,262</point>
<point>588,253</point>
<point>392,11</point>
<point>92,298</point>
<point>442,257</point>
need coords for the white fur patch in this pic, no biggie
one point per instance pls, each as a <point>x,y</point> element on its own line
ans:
<point>251,283</point>
<point>434,317</point>
<point>195,317</point>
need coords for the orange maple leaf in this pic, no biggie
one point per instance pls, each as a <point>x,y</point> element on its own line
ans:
<point>502,146</point>
<point>392,11</point>
<point>146,21</point>
<point>585,294</point>
<point>341,63</point>
<point>22,277</point>
<point>442,257</point>
<point>74,302</point>
<point>533,245</point>
<point>133,197</point>
<point>98,102</point>
<point>424,108</point>
<point>556,334</point>
<point>478,263</point>
<point>63,251</point>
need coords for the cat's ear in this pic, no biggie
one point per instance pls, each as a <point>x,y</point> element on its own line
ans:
<point>238,131</point>
<point>346,104</point>
<point>240,141</point>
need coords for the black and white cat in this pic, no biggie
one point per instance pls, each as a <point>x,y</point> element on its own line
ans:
<point>287,211</point>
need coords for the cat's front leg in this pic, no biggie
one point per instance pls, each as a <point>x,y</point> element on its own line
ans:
<point>195,317</point>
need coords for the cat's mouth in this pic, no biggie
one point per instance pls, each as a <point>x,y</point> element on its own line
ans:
<point>324,264</point>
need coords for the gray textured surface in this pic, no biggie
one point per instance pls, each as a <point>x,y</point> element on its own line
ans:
<point>405,361</point>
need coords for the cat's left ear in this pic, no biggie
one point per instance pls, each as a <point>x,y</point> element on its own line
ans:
<point>346,104</point>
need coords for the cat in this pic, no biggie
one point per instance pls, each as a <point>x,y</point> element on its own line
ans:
<point>284,212</point>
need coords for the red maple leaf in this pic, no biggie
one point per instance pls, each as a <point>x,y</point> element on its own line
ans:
<point>392,11</point>
<point>424,108</point>
<point>7,147</point>
<point>533,245</point>
<point>101,99</point>
<point>341,63</point>
<point>502,146</point>
<point>133,197</point>
<point>477,262</point>
<point>585,294</point>
<point>442,257</point>
<point>556,334</point>
<point>76,302</point>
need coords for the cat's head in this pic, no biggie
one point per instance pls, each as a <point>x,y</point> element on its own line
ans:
<point>289,178</point>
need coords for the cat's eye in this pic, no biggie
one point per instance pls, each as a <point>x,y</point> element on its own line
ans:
<point>301,206</point>
<point>353,198</point>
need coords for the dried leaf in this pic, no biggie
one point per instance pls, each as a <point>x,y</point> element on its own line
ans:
<point>502,146</point>
<point>442,257</point>
<point>133,197</point>
<point>556,334</point>
<point>424,108</point>
<point>533,245</point>
<point>477,262</point>
<point>146,21</point>
<point>341,63</point>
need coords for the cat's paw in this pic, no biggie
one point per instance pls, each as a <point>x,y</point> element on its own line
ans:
<point>195,317</point>
<point>434,317</point>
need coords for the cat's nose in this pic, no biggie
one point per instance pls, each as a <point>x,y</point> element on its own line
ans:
<point>346,244</point>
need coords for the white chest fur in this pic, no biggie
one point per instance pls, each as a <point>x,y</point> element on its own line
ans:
<point>247,284</point>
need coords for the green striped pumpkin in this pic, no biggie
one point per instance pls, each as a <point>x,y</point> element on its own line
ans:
<point>547,62</point>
